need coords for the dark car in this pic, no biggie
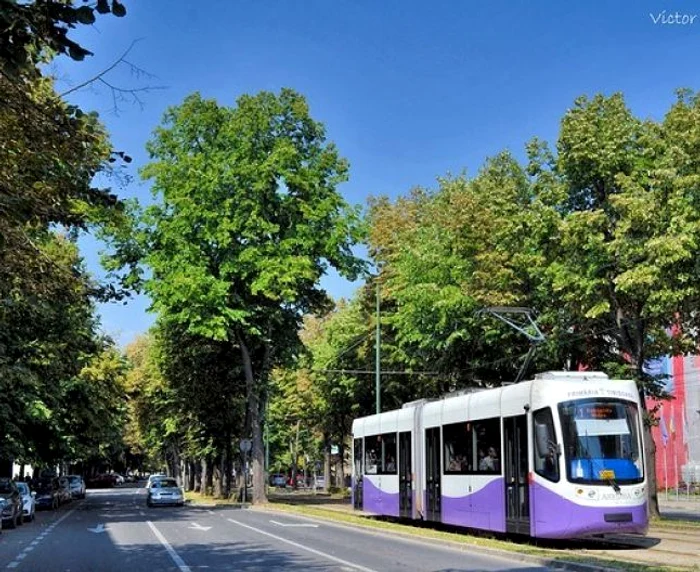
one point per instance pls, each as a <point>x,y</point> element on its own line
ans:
<point>10,503</point>
<point>102,481</point>
<point>47,493</point>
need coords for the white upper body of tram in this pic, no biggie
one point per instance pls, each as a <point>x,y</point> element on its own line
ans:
<point>557,456</point>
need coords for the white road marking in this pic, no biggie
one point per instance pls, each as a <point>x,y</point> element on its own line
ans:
<point>99,528</point>
<point>179,562</point>
<point>295,524</point>
<point>38,539</point>
<point>307,548</point>
<point>196,526</point>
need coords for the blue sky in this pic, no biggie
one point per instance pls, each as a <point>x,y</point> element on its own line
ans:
<point>409,91</point>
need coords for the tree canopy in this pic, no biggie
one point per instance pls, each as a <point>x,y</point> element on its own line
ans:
<point>247,219</point>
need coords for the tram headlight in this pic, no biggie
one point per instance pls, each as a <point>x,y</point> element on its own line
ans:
<point>590,494</point>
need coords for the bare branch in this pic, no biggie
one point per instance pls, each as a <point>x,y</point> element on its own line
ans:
<point>119,93</point>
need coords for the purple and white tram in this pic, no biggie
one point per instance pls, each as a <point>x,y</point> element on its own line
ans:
<point>559,456</point>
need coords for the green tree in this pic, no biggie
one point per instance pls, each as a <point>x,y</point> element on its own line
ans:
<point>246,222</point>
<point>622,252</point>
<point>444,255</point>
<point>33,30</point>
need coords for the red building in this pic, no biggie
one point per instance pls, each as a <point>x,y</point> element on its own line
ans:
<point>677,435</point>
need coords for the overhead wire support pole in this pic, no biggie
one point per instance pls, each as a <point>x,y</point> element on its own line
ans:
<point>377,373</point>
<point>526,325</point>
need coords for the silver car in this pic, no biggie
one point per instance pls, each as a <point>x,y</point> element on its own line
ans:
<point>77,486</point>
<point>165,491</point>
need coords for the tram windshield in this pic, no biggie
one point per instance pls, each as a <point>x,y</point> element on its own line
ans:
<point>601,441</point>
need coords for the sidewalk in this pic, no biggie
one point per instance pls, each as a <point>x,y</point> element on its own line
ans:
<point>682,507</point>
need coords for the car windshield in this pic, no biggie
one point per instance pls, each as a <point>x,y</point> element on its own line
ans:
<point>23,488</point>
<point>601,441</point>
<point>5,486</point>
<point>165,484</point>
<point>44,486</point>
<point>74,480</point>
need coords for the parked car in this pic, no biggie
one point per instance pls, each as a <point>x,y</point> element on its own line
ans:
<point>64,494</point>
<point>47,495</point>
<point>278,480</point>
<point>28,501</point>
<point>165,491</point>
<point>101,481</point>
<point>10,503</point>
<point>77,486</point>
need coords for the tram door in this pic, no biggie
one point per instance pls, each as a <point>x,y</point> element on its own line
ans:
<point>515,465</point>
<point>405,476</point>
<point>357,472</point>
<point>432,473</point>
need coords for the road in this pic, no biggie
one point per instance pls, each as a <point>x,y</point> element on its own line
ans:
<point>114,530</point>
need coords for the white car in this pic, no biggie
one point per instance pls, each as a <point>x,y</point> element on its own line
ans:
<point>28,501</point>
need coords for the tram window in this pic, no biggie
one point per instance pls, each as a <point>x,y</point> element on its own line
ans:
<point>486,435</point>
<point>457,440</point>
<point>546,458</point>
<point>380,454</point>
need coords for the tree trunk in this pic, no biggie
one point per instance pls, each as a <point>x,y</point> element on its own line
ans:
<point>258,453</point>
<point>228,466</point>
<point>340,470</point>
<point>205,476</point>
<point>197,476</point>
<point>649,445</point>
<point>218,477</point>
<point>650,465</point>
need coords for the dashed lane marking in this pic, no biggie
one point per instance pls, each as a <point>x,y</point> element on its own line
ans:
<point>302,547</point>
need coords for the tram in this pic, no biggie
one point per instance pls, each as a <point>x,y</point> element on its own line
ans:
<point>558,456</point>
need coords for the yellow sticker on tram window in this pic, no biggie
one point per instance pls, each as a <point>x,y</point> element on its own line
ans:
<point>607,474</point>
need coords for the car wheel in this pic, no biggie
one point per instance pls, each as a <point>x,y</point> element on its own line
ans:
<point>20,518</point>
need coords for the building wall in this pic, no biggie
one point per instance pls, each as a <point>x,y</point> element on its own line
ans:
<point>677,436</point>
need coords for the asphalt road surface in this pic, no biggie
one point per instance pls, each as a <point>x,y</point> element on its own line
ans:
<point>114,530</point>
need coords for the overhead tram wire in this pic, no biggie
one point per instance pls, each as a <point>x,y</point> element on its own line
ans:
<point>362,337</point>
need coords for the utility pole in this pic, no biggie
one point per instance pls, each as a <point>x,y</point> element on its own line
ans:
<point>377,383</point>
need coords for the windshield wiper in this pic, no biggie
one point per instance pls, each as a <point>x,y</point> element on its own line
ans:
<point>614,485</point>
